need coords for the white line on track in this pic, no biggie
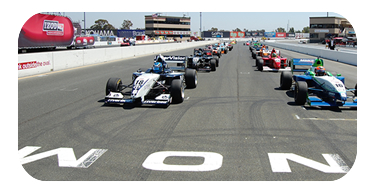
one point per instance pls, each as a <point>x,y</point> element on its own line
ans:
<point>297,117</point>
<point>324,119</point>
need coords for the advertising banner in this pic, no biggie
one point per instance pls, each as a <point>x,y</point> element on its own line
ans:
<point>181,32</point>
<point>283,35</point>
<point>302,35</point>
<point>270,34</point>
<point>290,34</point>
<point>237,34</point>
<point>161,32</point>
<point>130,33</point>
<point>253,34</point>
<point>105,33</point>
<point>216,34</point>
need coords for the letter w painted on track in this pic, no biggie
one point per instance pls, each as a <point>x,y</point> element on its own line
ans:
<point>66,156</point>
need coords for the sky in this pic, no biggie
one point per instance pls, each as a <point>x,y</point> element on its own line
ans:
<point>224,15</point>
<point>228,21</point>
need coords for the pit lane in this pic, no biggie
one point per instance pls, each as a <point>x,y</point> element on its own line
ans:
<point>236,112</point>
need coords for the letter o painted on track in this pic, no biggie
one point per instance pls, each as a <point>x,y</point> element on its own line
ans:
<point>212,161</point>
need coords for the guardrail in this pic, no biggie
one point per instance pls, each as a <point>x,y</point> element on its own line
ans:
<point>339,56</point>
<point>38,63</point>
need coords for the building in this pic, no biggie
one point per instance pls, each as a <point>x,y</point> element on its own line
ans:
<point>322,28</point>
<point>170,27</point>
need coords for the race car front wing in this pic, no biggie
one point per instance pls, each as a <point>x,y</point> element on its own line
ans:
<point>266,69</point>
<point>118,98</point>
<point>315,101</point>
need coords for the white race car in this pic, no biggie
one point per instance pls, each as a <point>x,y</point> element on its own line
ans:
<point>158,85</point>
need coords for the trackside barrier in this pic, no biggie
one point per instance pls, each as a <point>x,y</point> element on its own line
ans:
<point>38,63</point>
<point>339,56</point>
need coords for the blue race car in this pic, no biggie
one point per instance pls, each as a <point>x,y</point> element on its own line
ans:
<point>317,86</point>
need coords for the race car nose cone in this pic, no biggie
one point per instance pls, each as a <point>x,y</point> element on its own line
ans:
<point>277,65</point>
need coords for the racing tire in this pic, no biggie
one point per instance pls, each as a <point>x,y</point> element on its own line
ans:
<point>191,78</point>
<point>258,59</point>
<point>260,66</point>
<point>300,92</point>
<point>217,61</point>
<point>285,80</point>
<point>113,85</point>
<point>213,65</point>
<point>177,91</point>
<point>356,90</point>
<point>253,54</point>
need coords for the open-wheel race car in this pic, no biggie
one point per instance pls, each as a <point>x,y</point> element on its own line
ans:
<point>216,51</point>
<point>258,51</point>
<point>317,87</point>
<point>158,85</point>
<point>272,61</point>
<point>203,60</point>
<point>255,45</point>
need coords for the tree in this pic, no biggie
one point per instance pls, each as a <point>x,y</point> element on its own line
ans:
<point>291,30</point>
<point>237,29</point>
<point>213,29</point>
<point>282,30</point>
<point>306,29</point>
<point>126,24</point>
<point>102,24</point>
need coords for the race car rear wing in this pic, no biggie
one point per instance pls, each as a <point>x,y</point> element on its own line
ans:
<point>180,61</point>
<point>302,63</point>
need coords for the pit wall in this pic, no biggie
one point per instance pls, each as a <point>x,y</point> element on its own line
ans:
<point>339,56</point>
<point>38,63</point>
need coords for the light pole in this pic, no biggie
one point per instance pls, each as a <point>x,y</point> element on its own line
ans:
<point>84,23</point>
<point>200,28</point>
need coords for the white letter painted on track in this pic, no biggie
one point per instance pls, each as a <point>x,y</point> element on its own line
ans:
<point>279,163</point>
<point>66,156</point>
<point>212,161</point>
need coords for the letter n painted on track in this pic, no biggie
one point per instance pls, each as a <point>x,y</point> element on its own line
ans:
<point>279,163</point>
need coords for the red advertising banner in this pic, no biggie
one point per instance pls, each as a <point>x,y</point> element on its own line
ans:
<point>280,34</point>
<point>235,34</point>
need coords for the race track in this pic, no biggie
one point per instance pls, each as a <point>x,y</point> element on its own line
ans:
<point>236,125</point>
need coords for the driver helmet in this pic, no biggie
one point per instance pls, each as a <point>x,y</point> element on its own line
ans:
<point>157,67</point>
<point>274,55</point>
<point>320,71</point>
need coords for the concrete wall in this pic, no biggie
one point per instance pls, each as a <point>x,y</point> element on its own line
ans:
<point>59,60</point>
<point>340,56</point>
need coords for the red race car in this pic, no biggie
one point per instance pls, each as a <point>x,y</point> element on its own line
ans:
<point>272,61</point>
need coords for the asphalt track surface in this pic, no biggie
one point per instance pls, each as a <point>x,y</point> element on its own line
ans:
<point>236,113</point>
